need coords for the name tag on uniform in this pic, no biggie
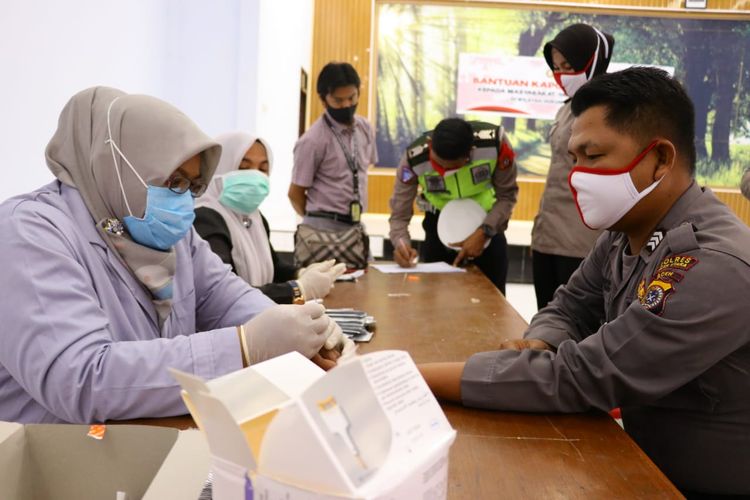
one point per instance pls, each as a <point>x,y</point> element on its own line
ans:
<point>435,184</point>
<point>480,173</point>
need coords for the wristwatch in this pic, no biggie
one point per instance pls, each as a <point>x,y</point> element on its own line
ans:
<point>488,230</point>
<point>297,296</point>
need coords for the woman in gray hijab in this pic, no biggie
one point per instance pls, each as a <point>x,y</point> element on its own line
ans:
<point>105,283</point>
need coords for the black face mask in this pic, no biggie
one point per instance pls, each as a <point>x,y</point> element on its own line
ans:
<point>342,115</point>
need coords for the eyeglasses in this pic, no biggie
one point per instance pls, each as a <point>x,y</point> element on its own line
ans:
<point>179,184</point>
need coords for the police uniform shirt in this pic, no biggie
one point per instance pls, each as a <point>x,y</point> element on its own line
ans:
<point>665,336</point>
<point>406,187</point>
<point>558,229</point>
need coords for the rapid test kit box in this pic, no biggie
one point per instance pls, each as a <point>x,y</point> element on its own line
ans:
<point>120,462</point>
<point>285,429</point>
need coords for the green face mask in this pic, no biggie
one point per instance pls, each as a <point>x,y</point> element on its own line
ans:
<point>244,190</point>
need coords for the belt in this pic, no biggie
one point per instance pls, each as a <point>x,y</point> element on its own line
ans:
<point>331,215</point>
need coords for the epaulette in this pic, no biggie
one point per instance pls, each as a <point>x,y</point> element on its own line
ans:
<point>682,238</point>
<point>418,151</point>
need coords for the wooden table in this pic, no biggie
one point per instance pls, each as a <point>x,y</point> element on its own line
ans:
<point>448,317</point>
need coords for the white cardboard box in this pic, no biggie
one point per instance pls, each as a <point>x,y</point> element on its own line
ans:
<point>370,429</point>
<point>59,461</point>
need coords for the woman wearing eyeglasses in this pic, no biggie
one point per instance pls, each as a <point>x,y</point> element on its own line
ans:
<point>105,285</point>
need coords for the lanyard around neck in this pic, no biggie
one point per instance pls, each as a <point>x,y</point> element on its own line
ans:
<point>351,158</point>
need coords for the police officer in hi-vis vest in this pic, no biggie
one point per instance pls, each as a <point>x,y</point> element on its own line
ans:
<point>456,160</point>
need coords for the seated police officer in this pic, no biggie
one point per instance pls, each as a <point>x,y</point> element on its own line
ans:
<point>655,320</point>
<point>457,160</point>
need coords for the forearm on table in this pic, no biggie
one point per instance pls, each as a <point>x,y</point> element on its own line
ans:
<point>443,379</point>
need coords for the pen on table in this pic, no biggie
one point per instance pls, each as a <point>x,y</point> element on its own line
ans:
<point>406,248</point>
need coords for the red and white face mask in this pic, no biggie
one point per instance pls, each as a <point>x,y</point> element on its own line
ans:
<point>571,82</point>
<point>603,195</point>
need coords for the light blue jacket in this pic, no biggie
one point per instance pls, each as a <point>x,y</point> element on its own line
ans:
<point>79,336</point>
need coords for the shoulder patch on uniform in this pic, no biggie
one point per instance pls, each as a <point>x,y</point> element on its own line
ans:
<point>407,174</point>
<point>668,275</point>
<point>641,291</point>
<point>506,156</point>
<point>677,262</point>
<point>661,286</point>
<point>655,296</point>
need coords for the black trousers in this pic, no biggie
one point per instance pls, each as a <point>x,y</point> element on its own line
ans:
<point>692,495</point>
<point>493,262</point>
<point>550,271</point>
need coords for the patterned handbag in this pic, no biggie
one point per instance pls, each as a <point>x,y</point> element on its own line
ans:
<point>350,246</point>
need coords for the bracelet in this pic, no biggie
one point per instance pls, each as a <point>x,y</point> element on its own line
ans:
<point>298,296</point>
<point>243,346</point>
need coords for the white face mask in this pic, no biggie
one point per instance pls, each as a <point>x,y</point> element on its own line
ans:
<point>603,196</point>
<point>571,82</point>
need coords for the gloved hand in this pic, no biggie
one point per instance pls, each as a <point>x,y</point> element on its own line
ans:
<point>286,328</point>
<point>327,266</point>
<point>315,284</point>
<point>338,341</point>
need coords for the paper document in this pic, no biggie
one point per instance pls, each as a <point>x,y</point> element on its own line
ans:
<point>427,267</point>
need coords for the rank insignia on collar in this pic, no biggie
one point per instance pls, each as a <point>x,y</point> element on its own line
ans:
<point>655,296</point>
<point>655,240</point>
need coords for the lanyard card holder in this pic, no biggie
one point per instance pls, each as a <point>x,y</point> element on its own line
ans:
<point>355,211</point>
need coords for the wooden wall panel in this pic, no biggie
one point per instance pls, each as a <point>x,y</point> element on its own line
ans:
<point>379,188</point>
<point>529,193</point>
<point>734,200</point>
<point>341,33</point>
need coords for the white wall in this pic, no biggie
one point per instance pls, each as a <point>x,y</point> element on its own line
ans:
<point>51,50</point>
<point>229,64</point>
<point>285,48</point>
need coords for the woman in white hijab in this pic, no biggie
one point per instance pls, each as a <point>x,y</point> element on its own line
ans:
<point>105,285</point>
<point>227,217</point>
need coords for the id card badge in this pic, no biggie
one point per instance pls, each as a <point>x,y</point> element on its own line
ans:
<point>355,211</point>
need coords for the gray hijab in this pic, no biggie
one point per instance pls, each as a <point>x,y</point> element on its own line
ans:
<point>156,138</point>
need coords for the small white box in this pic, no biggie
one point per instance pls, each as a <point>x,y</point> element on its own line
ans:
<point>369,429</point>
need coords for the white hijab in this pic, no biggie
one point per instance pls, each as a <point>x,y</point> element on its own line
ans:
<point>251,250</point>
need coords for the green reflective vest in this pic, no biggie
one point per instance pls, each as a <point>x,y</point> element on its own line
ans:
<point>473,180</point>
